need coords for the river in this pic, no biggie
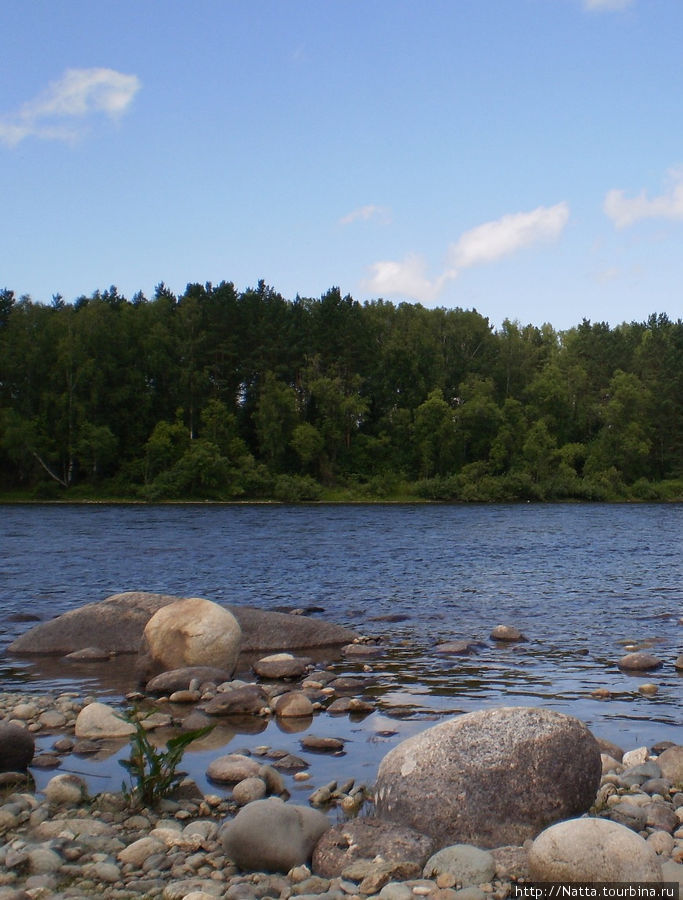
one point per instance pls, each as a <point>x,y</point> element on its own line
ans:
<point>580,580</point>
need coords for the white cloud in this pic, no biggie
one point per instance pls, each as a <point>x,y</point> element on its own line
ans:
<point>609,5</point>
<point>365,213</point>
<point>405,279</point>
<point>483,244</point>
<point>624,211</point>
<point>493,240</point>
<point>57,112</point>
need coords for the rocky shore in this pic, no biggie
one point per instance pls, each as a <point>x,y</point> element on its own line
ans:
<point>63,842</point>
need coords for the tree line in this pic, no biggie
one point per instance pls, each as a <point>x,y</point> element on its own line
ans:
<point>218,394</point>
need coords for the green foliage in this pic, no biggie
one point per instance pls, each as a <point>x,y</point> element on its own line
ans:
<point>153,772</point>
<point>217,394</point>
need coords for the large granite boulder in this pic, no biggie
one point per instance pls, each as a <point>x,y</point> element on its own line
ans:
<point>492,777</point>
<point>191,632</point>
<point>116,625</point>
<point>273,836</point>
<point>592,850</point>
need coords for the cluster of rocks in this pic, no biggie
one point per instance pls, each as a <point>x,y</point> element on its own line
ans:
<point>462,810</point>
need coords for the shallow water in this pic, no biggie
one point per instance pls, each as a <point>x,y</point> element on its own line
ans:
<point>580,581</point>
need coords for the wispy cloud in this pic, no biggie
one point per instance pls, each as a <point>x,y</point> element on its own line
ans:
<point>59,111</point>
<point>624,211</point>
<point>609,5</point>
<point>493,240</point>
<point>484,244</point>
<point>405,278</point>
<point>381,214</point>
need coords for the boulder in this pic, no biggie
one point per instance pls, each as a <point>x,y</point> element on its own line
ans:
<point>192,632</point>
<point>116,625</point>
<point>490,778</point>
<point>98,720</point>
<point>366,838</point>
<point>592,850</point>
<point>17,747</point>
<point>264,630</point>
<point>281,665</point>
<point>272,836</point>
<point>180,679</point>
<point>639,661</point>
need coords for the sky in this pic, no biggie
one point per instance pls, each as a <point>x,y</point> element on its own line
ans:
<point>523,158</point>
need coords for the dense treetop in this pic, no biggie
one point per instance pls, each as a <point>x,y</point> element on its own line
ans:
<point>219,394</point>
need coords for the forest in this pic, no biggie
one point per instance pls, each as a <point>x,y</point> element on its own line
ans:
<point>226,395</point>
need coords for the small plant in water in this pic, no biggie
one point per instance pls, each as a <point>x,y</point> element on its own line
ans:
<point>153,771</point>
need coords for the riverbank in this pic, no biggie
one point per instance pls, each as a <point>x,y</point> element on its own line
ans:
<point>62,838</point>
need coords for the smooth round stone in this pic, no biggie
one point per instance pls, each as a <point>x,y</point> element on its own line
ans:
<point>232,768</point>
<point>589,850</point>
<point>66,790</point>
<point>294,704</point>
<point>639,661</point>
<point>469,865</point>
<point>42,861</point>
<point>506,633</point>
<point>248,790</point>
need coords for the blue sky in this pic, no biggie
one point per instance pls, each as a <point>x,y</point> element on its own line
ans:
<point>520,157</point>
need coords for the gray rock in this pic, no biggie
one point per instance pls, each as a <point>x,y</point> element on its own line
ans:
<point>99,720</point>
<point>661,816</point>
<point>17,747</point>
<point>232,768</point>
<point>273,836</point>
<point>639,662</point>
<point>366,838</point>
<point>43,860</point>
<point>262,630</point>
<point>629,814</point>
<point>611,749</point>
<point>281,665</point>
<point>248,790</point>
<point>469,865</point>
<point>116,624</point>
<point>248,700</point>
<point>506,633</point>
<point>293,705</point>
<point>491,777</point>
<point>457,648</point>
<point>66,790</point>
<point>592,850</point>
<point>670,763</point>
<point>180,679</point>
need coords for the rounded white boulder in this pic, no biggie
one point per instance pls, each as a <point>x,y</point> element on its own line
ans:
<point>592,850</point>
<point>192,632</point>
